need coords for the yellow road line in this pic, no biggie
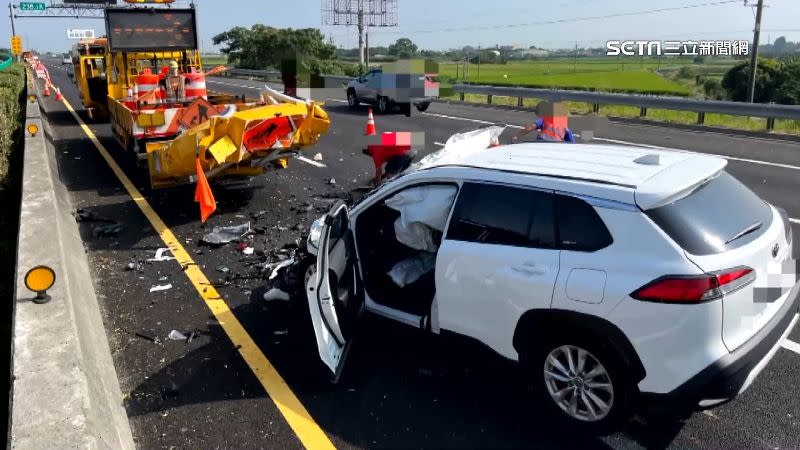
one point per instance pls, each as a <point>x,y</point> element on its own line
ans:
<point>307,430</point>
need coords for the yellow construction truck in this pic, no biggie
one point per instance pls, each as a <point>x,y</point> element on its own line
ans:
<point>159,107</point>
<point>88,72</point>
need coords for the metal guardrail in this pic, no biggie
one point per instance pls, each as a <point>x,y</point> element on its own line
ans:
<point>701,107</point>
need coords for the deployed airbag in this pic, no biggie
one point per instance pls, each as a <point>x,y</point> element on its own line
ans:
<point>411,269</point>
<point>421,209</point>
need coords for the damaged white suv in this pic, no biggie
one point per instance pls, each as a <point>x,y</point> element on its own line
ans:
<point>611,273</point>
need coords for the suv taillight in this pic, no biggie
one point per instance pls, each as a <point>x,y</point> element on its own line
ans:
<point>787,224</point>
<point>690,289</point>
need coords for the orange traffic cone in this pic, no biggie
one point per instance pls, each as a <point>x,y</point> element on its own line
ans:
<point>203,194</point>
<point>46,89</point>
<point>59,97</point>
<point>370,130</point>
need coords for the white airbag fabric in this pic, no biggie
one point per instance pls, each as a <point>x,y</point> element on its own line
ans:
<point>420,208</point>
<point>411,269</point>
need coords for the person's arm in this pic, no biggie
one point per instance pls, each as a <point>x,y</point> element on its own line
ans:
<point>532,127</point>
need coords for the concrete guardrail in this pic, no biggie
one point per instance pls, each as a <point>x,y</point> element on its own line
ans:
<point>65,392</point>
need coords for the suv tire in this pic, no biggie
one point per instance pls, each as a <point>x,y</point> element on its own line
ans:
<point>383,104</point>
<point>422,107</point>
<point>352,99</point>
<point>594,389</point>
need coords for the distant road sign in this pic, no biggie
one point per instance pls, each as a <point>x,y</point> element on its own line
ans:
<point>80,34</point>
<point>16,45</point>
<point>32,6</point>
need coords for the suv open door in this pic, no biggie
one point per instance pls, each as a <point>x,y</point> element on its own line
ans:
<point>335,292</point>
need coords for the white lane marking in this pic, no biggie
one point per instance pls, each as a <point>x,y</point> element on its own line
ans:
<point>791,345</point>
<point>335,100</point>
<point>467,120</point>
<point>753,161</point>
<point>310,161</point>
<point>439,144</point>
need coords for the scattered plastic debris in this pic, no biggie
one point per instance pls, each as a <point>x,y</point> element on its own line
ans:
<point>160,257</point>
<point>148,334</point>
<point>135,266</point>
<point>107,230</point>
<point>259,214</point>
<point>84,215</point>
<point>191,337</point>
<point>160,288</point>
<point>280,332</point>
<point>224,235</point>
<point>332,181</point>
<point>223,269</point>
<point>248,251</point>
<point>318,157</point>
<point>176,335</point>
<point>163,278</point>
<point>276,294</point>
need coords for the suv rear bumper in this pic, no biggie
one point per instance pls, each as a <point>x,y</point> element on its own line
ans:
<point>731,375</point>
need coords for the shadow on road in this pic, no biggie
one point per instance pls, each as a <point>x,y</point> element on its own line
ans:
<point>401,389</point>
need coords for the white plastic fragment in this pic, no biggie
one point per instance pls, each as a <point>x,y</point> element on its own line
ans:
<point>159,288</point>
<point>160,257</point>
<point>276,294</point>
<point>176,335</point>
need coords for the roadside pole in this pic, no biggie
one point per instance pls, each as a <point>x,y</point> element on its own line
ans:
<point>751,87</point>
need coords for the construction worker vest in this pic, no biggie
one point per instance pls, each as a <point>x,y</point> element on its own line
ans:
<point>551,133</point>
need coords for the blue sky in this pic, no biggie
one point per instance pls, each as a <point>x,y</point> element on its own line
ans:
<point>508,21</point>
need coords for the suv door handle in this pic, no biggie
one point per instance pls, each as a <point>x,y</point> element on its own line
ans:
<point>530,269</point>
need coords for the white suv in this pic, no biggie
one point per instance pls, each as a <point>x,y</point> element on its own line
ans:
<point>610,272</point>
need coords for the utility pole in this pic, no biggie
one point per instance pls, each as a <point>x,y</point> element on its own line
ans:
<point>361,37</point>
<point>575,60</point>
<point>479,61</point>
<point>366,45</point>
<point>11,15</point>
<point>751,87</point>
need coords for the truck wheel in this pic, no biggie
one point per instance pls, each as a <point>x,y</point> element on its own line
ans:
<point>352,100</point>
<point>422,107</point>
<point>383,104</point>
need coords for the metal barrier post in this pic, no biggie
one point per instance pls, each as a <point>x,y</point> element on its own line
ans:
<point>701,118</point>
<point>770,123</point>
<point>596,107</point>
<point>642,112</point>
<point>489,99</point>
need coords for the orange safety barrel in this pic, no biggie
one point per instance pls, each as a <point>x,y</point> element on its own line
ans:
<point>195,86</point>
<point>146,84</point>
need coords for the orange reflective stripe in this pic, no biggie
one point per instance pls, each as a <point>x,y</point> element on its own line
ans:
<point>555,134</point>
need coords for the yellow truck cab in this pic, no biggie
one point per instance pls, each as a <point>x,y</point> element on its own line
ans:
<point>89,73</point>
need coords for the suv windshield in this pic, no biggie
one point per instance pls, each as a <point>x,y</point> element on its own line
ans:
<point>718,216</point>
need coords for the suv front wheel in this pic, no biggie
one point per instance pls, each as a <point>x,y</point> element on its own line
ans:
<point>583,383</point>
<point>383,104</point>
<point>352,99</point>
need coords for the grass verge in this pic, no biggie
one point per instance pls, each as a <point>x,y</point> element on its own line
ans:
<point>12,98</point>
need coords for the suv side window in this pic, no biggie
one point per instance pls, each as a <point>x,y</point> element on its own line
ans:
<point>503,215</point>
<point>580,228</point>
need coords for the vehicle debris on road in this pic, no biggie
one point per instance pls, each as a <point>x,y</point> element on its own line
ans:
<point>161,288</point>
<point>111,230</point>
<point>160,255</point>
<point>176,335</point>
<point>224,235</point>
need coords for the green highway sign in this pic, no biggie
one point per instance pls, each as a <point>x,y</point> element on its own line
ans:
<point>31,6</point>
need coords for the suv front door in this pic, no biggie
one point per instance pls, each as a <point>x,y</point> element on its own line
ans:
<point>367,88</point>
<point>335,292</point>
<point>497,260</point>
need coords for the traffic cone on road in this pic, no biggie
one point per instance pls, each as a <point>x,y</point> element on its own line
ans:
<point>370,130</point>
<point>59,97</point>
<point>46,89</point>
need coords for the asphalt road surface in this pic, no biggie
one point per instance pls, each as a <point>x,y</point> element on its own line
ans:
<point>401,388</point>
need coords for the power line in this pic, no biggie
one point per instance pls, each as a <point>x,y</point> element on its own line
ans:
<point>559,21</point>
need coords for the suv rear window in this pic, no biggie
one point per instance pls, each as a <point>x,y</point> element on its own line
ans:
<point>580,228</point>
<point>503,215</point>
<point>706,221</point>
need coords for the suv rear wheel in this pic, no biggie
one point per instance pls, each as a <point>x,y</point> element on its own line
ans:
<point>582,382</point>
<point>383,104</point>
